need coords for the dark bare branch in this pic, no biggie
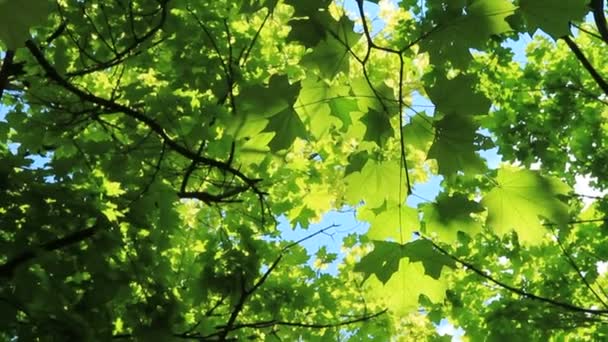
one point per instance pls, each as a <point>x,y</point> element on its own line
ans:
<point>5,71</point>
<point>597,7</point>
<point>601,82</point>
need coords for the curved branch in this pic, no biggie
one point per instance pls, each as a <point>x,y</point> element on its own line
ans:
<point>513,289</point>
<point>579,272</point>
<point>140,117</point>
<point>131,49</point>
<point>7,269</point>
<point>271,323</point>
<point>585,62</point>
<point>245,294</point>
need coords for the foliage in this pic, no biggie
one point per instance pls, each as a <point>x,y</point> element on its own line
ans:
<point>149,149</point>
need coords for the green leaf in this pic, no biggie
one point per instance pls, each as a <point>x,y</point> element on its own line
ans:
<point>382,262</point>
<point>454,146</point>
<point>111,211</point>
<point>257,103</point>
<point>329,56</point>
<point>553,17</point>
<point>332,55</point>
<point>390,222</point>
<point>433,261</point>
<point>341,108</point>
<point>519,198</point>
<point>112,189</point>
<point>450,214</point>
<point>375,183</point>
<point>356,162</point>
<point>309,22</point>
<point>458,96</point>
<point>266,101</point>
<point>457,30</point>
<point>254,150</point>
<point>318,100</point>
<point>380,98</point>
<point>402,291</point>
<point>287,126</point>
<point>17,17</point>
<point>378,127</point>
<point>401,282</point>
<point>419,132</point>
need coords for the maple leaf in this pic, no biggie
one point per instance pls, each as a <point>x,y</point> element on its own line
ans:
<point>323,106</point>
<point>458,96</point>
<point>382,261</point>
<point>454,145</point>
<point>519,198</point>
<point>312,23</point>
<point>287,126</point>
<point>469,27</point>
<point>553,17</point>
<point>419,132</point>
<point>423,251</point>
<point>377,126</point>
<point>375,183</point>
<point>356,162</point>
<point>450,214</point>
<point>331,55</point>
<point>402,291</point>
<point>380,98</point>
<point>390,221</point>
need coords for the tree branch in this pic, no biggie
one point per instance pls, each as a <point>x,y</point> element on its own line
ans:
<point>513,289</point>
<point>131,49</point>
<point>7,269</point>
<point>585,62</point>
<point>579,272</point>
<point>245,294</point>
<point>597,7</point>
<point>140,117</point>
<point>5,71</point>
<point>271,323</point>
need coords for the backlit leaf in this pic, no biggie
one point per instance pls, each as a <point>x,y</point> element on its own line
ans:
<point>520,199</point>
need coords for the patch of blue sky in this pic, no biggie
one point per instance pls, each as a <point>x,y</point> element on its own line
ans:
<point>37,161</point>
<point>345,222</point>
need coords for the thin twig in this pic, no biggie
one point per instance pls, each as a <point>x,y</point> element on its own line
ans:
<point>246,293</point>
<point>580,274</point>
<point>513,289</point>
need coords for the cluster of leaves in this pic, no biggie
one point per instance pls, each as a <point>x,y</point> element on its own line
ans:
<point>149,147</point>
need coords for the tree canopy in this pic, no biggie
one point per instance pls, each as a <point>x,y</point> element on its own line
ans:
<point>149,149</point>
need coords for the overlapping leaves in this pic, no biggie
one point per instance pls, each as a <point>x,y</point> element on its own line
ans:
<point>186,146</point>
